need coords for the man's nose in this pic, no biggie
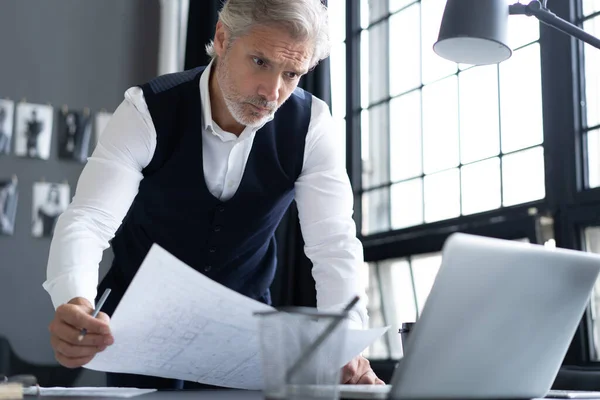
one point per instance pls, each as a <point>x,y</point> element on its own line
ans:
<point>269,88</point>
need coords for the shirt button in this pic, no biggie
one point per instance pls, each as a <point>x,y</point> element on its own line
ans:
<point>220,208</point>
<point>208,268</point>
<point>217,228</point>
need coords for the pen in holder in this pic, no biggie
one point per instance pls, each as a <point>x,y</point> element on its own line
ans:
<point>302,350</point>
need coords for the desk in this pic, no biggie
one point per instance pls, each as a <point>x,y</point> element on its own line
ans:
<point>175,395</point>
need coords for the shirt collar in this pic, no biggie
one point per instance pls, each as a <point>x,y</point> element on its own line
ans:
<point>207,122</point>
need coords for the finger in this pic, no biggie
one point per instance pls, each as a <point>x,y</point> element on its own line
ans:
<point>71,335</point>
<point>103,317</point>
<point>72,351</point>
<point>368,378</point>
<point>349,371</point>
<point>76,317</point>
<point>379,382</point>
<point>72,362</point>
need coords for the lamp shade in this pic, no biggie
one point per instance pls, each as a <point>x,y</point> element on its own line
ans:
<point>474,32</point>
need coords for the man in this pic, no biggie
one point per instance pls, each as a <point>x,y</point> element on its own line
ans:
<point>205,163</point>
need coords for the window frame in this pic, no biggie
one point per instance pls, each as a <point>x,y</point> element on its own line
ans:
<point>567,203</point>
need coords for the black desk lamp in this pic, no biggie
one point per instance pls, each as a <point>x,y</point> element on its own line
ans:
<point>475,31</point>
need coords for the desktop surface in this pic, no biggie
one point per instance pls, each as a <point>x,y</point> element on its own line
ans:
<point>176,395</point>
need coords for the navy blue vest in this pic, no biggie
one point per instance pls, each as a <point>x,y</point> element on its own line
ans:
<point>231,242</point>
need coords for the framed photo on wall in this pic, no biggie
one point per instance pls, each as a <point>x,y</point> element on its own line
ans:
<point>49,201</point>
<point>33,133</point>
<point>74,134</point>
<point>7,109</point>
<point>9,197</point>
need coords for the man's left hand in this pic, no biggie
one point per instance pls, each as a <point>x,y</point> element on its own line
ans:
<point>358,371</point>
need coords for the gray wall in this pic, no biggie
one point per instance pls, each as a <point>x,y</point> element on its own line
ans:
<point>82,53</point>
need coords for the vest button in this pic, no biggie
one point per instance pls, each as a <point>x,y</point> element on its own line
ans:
<point>217,228</point>
<point>208,268</point>
<point>212,249</point>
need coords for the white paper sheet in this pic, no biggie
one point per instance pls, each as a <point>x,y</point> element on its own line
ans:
<point>174,322</point>
<point>85,391</point>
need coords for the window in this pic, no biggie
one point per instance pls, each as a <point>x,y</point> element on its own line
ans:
<point>337,58</point>
<point>397,291</point>
<point>592,244</point>
<point>591,97</point>
<point>586,208</point>
<point>438,147</point>
<point>441,140</point>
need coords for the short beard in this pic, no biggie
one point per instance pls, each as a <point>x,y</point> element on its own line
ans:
<point>236,103</point>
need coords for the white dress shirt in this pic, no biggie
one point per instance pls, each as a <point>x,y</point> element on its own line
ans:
<point>110,180</point>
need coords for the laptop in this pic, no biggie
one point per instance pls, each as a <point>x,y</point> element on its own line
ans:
<point>497,323</point>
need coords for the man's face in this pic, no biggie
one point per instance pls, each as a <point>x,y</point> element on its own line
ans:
<point>259,71</point>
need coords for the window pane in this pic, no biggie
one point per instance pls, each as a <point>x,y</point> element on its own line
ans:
<point>590,6</point>
<point>479,120</point>
<point>442,196</point>
<point>376,165</point>
<point>434,66</point>
<point>592,75</point>
<point>405,136</point>
<point>371,11</point>
<point>593,158</point>
<point>440,125</point>
<point>364,13</point>
<point>365,77</point>
<point>364,140</point>
<point>336,11</point>
<point>523,176</point>
<point>338,80</point>
<point>407,203</point>
<point>379,349</point>
<point>592,245</point>
<point>522,29</point>
<point>398,299</point>
<point>376,211</point>
<point>425,268</point>
<point>396,5</point>
<point>378,71</point>
<point>401,282</point>
<point>405,50</point>
<point>481,186</point>
<point>521,99</point>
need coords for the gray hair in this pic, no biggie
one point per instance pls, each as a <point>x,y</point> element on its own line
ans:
<point>305,20</point>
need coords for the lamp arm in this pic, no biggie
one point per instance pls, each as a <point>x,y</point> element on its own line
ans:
<point>543,14</point>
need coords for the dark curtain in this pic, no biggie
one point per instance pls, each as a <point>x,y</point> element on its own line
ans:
<point>293,284</point>
<point>202,20</point>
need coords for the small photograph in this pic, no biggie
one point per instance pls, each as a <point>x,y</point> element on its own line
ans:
<point>102,119</point>
<point>49,201</point>
<point>33,131</point>
<point>7,109</point>
<point>74,134</point>
<point>9,197</point>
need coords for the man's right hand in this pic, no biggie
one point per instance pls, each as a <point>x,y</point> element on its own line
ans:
<point>66,326</point>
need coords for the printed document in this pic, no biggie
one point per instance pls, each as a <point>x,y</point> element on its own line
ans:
<point>174,322</point>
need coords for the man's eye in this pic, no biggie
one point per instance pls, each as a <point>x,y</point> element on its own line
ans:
<point>292,75</point>
<point>258,61</point>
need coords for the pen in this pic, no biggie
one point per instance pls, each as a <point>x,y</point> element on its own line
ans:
<point>96,311</point>
<point>313,347</point>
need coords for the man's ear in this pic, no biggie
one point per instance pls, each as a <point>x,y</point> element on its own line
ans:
<point>221,38</point>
